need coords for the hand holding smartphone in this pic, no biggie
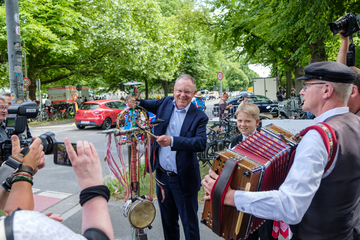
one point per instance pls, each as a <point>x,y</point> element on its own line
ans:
<point>61,157</point>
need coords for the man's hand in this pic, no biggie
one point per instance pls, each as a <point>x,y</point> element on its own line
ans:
<point>208,183</point>
<point>341,34</point>
<point>164,141</point>
<point>15,142</point>
<point>35,158</point>
<point>56,217</point>
<point>86,163</point>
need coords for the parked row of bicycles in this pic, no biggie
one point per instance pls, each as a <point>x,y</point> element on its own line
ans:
<point>219,137</point>
<point>59,111</point>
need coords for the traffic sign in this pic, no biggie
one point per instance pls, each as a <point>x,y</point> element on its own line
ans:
<point>220,76</point>
<point>26,82</point>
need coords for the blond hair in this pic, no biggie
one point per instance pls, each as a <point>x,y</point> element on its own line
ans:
<point>249,108</point>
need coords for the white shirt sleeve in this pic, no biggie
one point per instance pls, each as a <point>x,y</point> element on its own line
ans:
<point>294,196</point>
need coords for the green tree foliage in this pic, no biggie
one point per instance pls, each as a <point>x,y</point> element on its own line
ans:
<point>280,34</point>
<point>236,78</point>
<point>108,42</point>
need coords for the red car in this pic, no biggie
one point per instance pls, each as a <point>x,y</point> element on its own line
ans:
<point>101,113</point>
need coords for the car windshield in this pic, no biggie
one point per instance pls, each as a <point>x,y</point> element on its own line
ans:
<point>120,105</point>
<point>262,99</point>
<point>89,106</point>
<point>233,99</point>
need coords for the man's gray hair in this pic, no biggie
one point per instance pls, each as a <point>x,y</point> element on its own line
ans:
<point>342,90</point>
<point>3,99</point>
<point>186,76</point>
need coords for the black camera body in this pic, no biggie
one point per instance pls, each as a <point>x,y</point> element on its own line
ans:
<point>16,123</point>
<point>348,23</point>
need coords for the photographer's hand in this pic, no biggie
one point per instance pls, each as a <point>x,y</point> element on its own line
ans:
<point>40,163</point>
<point>341,58</point>
<point>35,157</point>
<point>21,192</point>
<point>86,163</point>
<point>15,142</point>
<point>88,171</point>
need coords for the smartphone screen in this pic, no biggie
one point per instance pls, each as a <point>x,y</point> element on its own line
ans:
<point>61,157</point>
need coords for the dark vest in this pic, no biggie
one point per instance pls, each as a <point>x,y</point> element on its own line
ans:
<point>334,212</point>
<point>236,140</point>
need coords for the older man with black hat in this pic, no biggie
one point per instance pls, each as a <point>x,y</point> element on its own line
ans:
<point>318,204</point>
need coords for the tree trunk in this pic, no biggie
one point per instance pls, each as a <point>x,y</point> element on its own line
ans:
<point>318,53</point>
<point>299,71</point>
<point>288,75</point>
<point>146,89</point>
<point>32,88</point>
<point>165,85</point>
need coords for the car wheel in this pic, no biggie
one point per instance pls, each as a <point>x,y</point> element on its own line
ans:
<point>106,124</point>
<point>80,126</point>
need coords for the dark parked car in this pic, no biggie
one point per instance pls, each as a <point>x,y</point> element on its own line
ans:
<point>261,101</point>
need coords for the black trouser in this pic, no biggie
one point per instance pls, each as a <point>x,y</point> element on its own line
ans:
<point>355,235</point>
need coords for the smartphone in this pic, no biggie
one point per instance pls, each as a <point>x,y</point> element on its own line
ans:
<point>61,157</point>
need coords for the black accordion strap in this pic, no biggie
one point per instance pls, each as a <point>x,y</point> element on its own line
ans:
<point>218,194</point>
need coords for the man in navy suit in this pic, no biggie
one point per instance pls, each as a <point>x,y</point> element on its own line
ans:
<point>177,169</point>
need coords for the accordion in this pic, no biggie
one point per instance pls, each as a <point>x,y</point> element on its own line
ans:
<point>259,163</point>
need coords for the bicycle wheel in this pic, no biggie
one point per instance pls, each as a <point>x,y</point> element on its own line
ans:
<point>70,112</point>
<point>234,130</point>
<point>211,149</point>
<point>57,115</point>
<point>201,158</point>
<point>45,116</point>
<point>211,136</point>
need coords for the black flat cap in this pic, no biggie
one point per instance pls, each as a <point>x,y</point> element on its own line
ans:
<point>329,71</point>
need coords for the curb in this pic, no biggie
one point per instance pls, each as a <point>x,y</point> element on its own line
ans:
<point>52,123</point>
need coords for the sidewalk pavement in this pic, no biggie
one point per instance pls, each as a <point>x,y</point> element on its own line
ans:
<point>71,211</point>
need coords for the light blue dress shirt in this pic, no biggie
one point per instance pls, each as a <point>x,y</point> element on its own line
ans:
<point>167,157</point>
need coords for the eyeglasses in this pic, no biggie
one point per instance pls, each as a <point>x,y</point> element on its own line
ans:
<point>3,108</point>
<point>185,92</point>
<point>305,85</point>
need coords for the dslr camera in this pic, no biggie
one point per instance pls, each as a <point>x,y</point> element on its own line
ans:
<point>16,123</point>
<point>348,23</point>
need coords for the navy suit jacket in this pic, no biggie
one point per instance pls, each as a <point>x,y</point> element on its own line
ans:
<point>192,139</point>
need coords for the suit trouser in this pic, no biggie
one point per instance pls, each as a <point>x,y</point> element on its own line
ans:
<point>177,203</point>
<point>356,236</point>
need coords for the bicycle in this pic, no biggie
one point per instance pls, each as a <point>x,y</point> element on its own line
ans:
<point>218,140</point>
<point>230,128</point>
<point>42,115</point>
<point>52,114</point>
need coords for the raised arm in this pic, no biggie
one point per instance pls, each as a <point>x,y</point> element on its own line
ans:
<point>341,58</point>
<point>21,195</point>
<point>88,171</point>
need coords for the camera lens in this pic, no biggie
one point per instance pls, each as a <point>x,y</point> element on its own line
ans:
<point>48,141</point>
<point>341,24</point>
